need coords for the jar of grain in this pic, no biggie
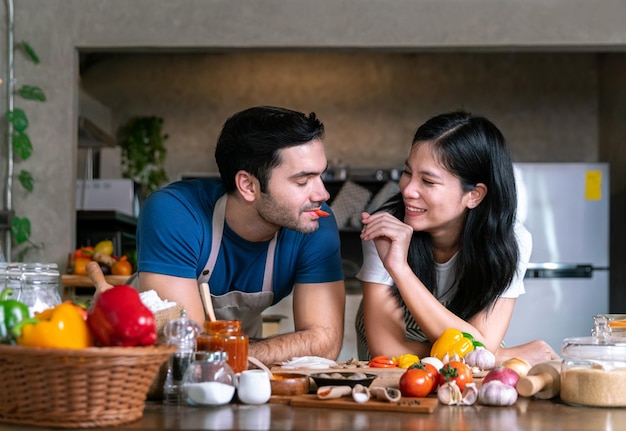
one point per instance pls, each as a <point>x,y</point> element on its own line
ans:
<point>593,371</point>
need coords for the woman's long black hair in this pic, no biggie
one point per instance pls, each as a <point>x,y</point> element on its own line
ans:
<point>474,150</point>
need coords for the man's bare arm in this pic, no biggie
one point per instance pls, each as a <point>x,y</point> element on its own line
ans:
<point>183,291</point>
<point>319,311</point>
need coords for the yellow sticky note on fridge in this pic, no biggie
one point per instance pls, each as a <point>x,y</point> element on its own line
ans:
<point>593,185</point>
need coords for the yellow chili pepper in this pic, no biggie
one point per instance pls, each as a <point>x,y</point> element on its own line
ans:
<point>62,327</point>
<point>452,342</point>
<point>406,360</point>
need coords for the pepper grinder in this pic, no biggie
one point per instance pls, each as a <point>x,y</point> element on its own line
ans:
<point>182,333</point>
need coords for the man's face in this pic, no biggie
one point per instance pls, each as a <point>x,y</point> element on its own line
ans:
<point>295,188</point>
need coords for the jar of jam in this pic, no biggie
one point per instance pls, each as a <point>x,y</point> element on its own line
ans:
<point>226,336</point>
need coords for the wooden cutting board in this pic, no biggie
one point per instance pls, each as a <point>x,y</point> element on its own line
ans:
<point>408,405</point>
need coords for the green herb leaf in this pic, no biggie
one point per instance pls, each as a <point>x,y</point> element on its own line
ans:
<point>22,254</point>
<point>22,145</point>
<point>30,52</point>
<point>31,92</point>
<point>26,180</point>
<point>18,118</point>
<point>21,229</point>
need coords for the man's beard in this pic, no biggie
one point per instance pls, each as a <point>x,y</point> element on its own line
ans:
<point>273,212</point>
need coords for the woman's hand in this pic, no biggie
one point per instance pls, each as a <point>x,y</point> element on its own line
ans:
<point>391,237</point>
<point>534,352</point>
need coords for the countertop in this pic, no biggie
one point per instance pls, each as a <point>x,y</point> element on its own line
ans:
<point>526,414</point>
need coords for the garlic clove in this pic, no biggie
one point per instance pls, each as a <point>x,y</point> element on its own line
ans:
<point>470,394</point>
<point>450,394</point>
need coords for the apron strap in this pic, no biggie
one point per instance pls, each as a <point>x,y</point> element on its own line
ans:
<point>219,213</point>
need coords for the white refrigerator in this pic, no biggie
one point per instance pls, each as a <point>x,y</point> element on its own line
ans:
<point>565,206</point>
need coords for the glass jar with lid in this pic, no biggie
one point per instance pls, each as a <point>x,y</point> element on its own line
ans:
<point>209,380</point>
<point>34,284</point>
<point>226,336</point>
<point>593,372</point>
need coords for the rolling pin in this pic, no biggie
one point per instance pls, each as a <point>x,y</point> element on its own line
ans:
<point>543,381</point>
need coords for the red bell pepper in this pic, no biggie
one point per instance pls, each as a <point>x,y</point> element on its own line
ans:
<point>382,362</point>
<point>119,318</point>
<point>321,213</point>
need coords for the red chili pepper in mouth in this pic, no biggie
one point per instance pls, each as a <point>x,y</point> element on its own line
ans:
<point>321,213</point>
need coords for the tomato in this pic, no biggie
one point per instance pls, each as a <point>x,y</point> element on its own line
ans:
<point>382,362</point>
<point>458,372</point>
<point>415,382</point>
<point>83,252</point>
<point>434,375</point>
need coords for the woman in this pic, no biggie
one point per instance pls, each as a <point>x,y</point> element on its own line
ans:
<point>446,252</point>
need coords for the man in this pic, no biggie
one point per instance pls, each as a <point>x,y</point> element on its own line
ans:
<point>254,236</point>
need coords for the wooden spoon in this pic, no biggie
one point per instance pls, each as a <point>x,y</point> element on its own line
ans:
<point>205,295</point>
<point>262,366</point>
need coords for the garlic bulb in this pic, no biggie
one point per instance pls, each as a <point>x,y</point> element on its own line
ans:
<point>450,394</point>
<point>481,358</point>
<point>496,393</point>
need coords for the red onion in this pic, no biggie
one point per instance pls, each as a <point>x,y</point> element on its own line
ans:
<point>502,374</point>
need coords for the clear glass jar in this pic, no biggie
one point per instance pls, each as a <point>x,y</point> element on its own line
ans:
<point>226,336</point>
<point>209,380</point>
<point>593,372</point>
<point>34,284</point>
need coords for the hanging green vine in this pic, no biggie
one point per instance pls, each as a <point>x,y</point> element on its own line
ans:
<point>23,150</point>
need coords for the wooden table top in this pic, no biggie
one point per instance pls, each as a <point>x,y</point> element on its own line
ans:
<point>526,415</point>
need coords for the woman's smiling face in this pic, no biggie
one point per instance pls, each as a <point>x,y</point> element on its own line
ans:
<point>434,199</point>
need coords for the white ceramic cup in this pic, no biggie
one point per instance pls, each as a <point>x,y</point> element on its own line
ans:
<point>254,387</point>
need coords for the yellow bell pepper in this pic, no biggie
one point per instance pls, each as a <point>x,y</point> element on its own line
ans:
<point>453,342</point>
<point>406,360</point>
<point>62,327</point>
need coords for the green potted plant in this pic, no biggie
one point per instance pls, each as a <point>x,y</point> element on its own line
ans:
<point>143,152</point>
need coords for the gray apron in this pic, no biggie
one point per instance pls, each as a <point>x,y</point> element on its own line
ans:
<point>236,305</point>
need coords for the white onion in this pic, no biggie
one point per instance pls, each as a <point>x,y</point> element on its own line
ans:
<point>502,374</point>
<point>435,362</point>
<point>518,365</point>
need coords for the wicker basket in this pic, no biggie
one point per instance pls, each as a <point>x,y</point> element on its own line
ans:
<point>94,387</point>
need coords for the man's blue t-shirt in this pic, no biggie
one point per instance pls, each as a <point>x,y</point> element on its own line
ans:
<point>174,238</point>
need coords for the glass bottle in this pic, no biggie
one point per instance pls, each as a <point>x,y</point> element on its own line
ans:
<point>182,333</point>
<point>226,336</point>
<point>209,380</point>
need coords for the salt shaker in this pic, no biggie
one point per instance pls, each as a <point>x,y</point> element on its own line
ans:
<point>182,333</point>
